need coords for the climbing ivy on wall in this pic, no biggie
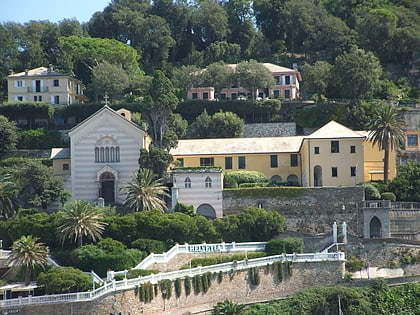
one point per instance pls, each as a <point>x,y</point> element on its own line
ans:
<point>187,285</point>
<point>166,288</point>
<point>282,270</point>
<point>144,292</point>
<point>197,284</point>
<point>178,286</point>
<point>254,275</point>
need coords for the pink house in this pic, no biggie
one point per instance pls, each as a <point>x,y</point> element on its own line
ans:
<point>286,86</point>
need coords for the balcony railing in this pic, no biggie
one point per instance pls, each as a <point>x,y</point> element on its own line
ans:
<point>43,89</point>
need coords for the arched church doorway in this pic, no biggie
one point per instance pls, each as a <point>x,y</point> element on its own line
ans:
<point>107,187</point>
<point>206,210</point>
<point>375,228</point>
<point>318,176</point>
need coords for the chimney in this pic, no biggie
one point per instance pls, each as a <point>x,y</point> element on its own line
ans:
<point>11,72</point>
<point>50,68</point>
<point>26,72</point>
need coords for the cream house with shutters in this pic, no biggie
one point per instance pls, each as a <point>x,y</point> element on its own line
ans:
<point>44,85</point>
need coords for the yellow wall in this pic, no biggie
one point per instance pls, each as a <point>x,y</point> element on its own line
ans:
<point>253,162</point>
<point>374,165</point>
<point>342,161</point>
<point>58,167</point>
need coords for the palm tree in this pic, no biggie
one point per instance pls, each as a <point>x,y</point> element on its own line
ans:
<point>386,131</point>
<point>79,219</point>
<point>8,196</point>
<point>228,307</point>
<point>145,192</point>
<point>28,253</point>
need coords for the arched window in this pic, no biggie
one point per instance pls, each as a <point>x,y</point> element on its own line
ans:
<point>187,182</point>
<point>117,154</point>
<point>107,150</point>
<point>107,154</point>
<point>97,155</point>
<point>208,182</point>
<point>102,159</point>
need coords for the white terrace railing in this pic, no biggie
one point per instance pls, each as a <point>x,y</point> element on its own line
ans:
<point>200,248</point>
<point>127,284</point>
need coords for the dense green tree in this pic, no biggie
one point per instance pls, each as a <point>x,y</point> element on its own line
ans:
<point>209,23</point>
<point>109,79</point>
<point>387,132</point>
<point>219,76</point>
<point>155,159</point>
<point>38,187</point>
<point>357,74</point>
<point>241,25</point>
<point>219,125</point>
<point>253,75</point>
<point>254,224</point>
<point>8,137</point>
<point>59,280</point>
<point>145,192</point>
<point>358,116</point>
<point>185,77</point>
<point>8,196</point>
<point>80,219</point>
<point>183,208</point>
<point>177,129</point>
<point>376,28</point>
<point>121,228</point>
<point>268,18</point>
<point>226,125</point>
<point>81,54</point>
<point>406,185</point>
<point>28,254</point>
<point>317,78</point>
<point>9,59</point>
<point>32,222</point>
<point>40,138</point>
<point>222,51</point>
<point>179,18</point>
<point>200,127</point>
<point>70,27</point>
<point>161,101</point>
<point>106,254</point>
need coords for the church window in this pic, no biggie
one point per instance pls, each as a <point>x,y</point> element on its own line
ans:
<point>107,151</point>
<point>208,182</point>
<point>187,182</point>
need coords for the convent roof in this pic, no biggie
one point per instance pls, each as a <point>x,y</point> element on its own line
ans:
<point>237,145</point>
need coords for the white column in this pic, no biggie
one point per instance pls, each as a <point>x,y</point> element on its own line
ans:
<point>335,232</point>
<point>344,232</point>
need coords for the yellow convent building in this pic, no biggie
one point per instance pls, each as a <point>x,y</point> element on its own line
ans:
<point>333,155</point>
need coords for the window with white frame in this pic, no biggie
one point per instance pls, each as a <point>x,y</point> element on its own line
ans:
<point>187,182</point>
<point>208,182</point>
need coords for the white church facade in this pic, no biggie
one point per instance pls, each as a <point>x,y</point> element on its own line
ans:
<point>104,152</point>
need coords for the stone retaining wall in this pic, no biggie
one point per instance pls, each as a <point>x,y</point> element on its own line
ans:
<point>234,286</point>
<point>313,210</point>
